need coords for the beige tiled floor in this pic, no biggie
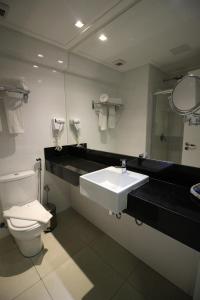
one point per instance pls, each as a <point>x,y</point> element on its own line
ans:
<point>79,262</point>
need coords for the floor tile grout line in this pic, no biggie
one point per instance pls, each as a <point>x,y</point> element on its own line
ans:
<point>32,285</point>
<point>117,291</point>
<point>46,288</point>
<point>36,269</point>
<point>117,272</point>
<point>67,260</point>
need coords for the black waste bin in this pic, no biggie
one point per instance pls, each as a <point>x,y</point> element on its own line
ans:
<point>53,221</point>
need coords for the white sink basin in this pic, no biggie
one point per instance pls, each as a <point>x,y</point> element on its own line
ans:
<point>109,187</point>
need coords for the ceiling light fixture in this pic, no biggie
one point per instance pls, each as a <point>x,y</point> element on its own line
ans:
<point>60,61</point>
<point>54,71</point>
<point>103,37</point>
<point>40,55</point>
<point>35,66</point>
<point>79,24</point>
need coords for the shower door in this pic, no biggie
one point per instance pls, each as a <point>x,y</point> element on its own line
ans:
<point>167,131</point>
<point>191,145</point>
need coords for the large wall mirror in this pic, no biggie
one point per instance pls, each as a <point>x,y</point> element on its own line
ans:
<point>142,55</point>
<point>155,45</point>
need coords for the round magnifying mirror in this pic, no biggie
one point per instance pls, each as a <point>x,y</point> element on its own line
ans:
<point>186,94</point>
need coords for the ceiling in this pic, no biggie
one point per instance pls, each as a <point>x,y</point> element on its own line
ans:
<point>164,33</point>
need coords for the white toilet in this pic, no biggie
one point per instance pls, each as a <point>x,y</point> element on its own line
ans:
<point>20,189</point>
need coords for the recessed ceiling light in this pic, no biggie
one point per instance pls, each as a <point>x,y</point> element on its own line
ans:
<point>54,71</point>
<point>79,24</point>
<point>40,55</point>
<point>103,37</point>
<point>35,66</point>
<point>60,61</point>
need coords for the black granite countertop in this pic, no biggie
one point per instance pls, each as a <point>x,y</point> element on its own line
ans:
<point>164,203</point>
<point>172,197</point>
<point>70,168</point>
<point>169,208</point>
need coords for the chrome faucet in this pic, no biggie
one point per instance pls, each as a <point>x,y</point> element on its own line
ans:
<point>123,165</point>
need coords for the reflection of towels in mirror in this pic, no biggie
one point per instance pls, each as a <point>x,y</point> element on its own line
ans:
<point>17,83</point>
<point>13,108</point>
<point>111,117</point>
<point>115,100</point>
<point>103,118</point>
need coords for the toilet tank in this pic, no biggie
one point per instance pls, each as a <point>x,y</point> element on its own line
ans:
<point>18,188</point>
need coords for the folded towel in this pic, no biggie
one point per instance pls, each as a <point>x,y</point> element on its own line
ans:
<point>103,118</point>
<point>111,117</point>
<point>115,100</point>
<point>17,83</point>
<point>13,108</point>
<point>32,211</point>
<point>104,98</point>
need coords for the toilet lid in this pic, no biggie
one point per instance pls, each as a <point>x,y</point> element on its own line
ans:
<point>19,223</point>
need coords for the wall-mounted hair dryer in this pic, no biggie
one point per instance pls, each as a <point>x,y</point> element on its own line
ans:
<point>76,126</point>
<point>57,127</point>
<point>75,123</point>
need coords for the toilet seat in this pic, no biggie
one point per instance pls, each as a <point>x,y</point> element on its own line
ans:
<point>18,223</point>
<point>22,225</point>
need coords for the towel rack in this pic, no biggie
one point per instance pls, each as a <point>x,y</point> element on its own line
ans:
<point>16,90</point>
<point>97,104</point>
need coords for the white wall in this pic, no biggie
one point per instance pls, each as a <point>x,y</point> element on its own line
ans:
<point>131,128</point>
<point>175,261</point>
<point>47,99</point>
<point>155,83</point>
<point>135,121</point>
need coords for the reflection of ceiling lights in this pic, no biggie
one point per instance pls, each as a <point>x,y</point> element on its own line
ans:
<point>103,37</point>
<point>35,66</point>
<point>40,55</point>
<point>60,61</point>
<point>79,24</point>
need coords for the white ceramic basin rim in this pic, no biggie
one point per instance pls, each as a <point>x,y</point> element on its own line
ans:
<point>109,187</point>
<point>114,179</point>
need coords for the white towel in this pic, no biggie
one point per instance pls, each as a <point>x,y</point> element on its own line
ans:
<point>13,108</point>
<point>103,118</point>
<point>111,117</point>
<point>17,83</point>
<point>32,211</point>
<point>115,100</point>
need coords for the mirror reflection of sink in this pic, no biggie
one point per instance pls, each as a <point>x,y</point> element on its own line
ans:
<point>109,187</point>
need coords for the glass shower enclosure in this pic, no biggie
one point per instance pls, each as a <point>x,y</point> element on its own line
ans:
<point>167,130</point>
